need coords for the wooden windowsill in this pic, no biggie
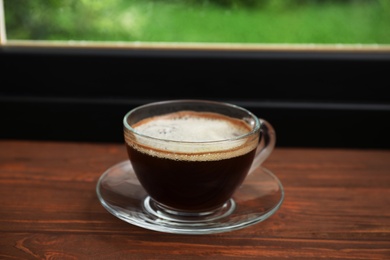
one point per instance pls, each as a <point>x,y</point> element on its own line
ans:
<point>336,207</point>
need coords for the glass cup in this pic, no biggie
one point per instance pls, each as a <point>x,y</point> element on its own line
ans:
<point>191,156</point>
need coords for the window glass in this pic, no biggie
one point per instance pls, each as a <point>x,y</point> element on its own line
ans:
<point>200,21</point>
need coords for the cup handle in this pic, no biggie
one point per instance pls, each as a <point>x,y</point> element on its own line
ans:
<point>266,144</point>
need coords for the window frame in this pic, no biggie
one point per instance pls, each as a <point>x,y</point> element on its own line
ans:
<point>333,95</point>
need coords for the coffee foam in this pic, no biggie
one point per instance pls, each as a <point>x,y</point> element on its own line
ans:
<point>191,127</point>
<point>188,131</point>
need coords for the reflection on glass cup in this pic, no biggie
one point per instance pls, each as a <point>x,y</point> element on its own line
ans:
<point>192,155</point>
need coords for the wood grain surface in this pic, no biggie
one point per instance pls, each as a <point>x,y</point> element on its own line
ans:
<point>337,206</point>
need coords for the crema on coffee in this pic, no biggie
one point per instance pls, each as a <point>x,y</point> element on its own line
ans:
<point>190,133</point>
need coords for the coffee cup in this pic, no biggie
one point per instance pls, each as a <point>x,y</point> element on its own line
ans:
<point>191,156</point>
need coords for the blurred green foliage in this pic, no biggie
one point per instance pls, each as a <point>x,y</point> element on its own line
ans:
<point>241,21</point>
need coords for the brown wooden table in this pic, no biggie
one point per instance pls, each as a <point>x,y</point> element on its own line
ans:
<point>337,206</point>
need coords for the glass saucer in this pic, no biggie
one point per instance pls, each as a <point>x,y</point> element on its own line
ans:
<point>121,194</point>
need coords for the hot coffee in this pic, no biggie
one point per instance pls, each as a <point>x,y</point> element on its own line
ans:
<point>192,161</point>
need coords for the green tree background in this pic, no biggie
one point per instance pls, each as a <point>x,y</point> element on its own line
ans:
<point>248,21</point>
